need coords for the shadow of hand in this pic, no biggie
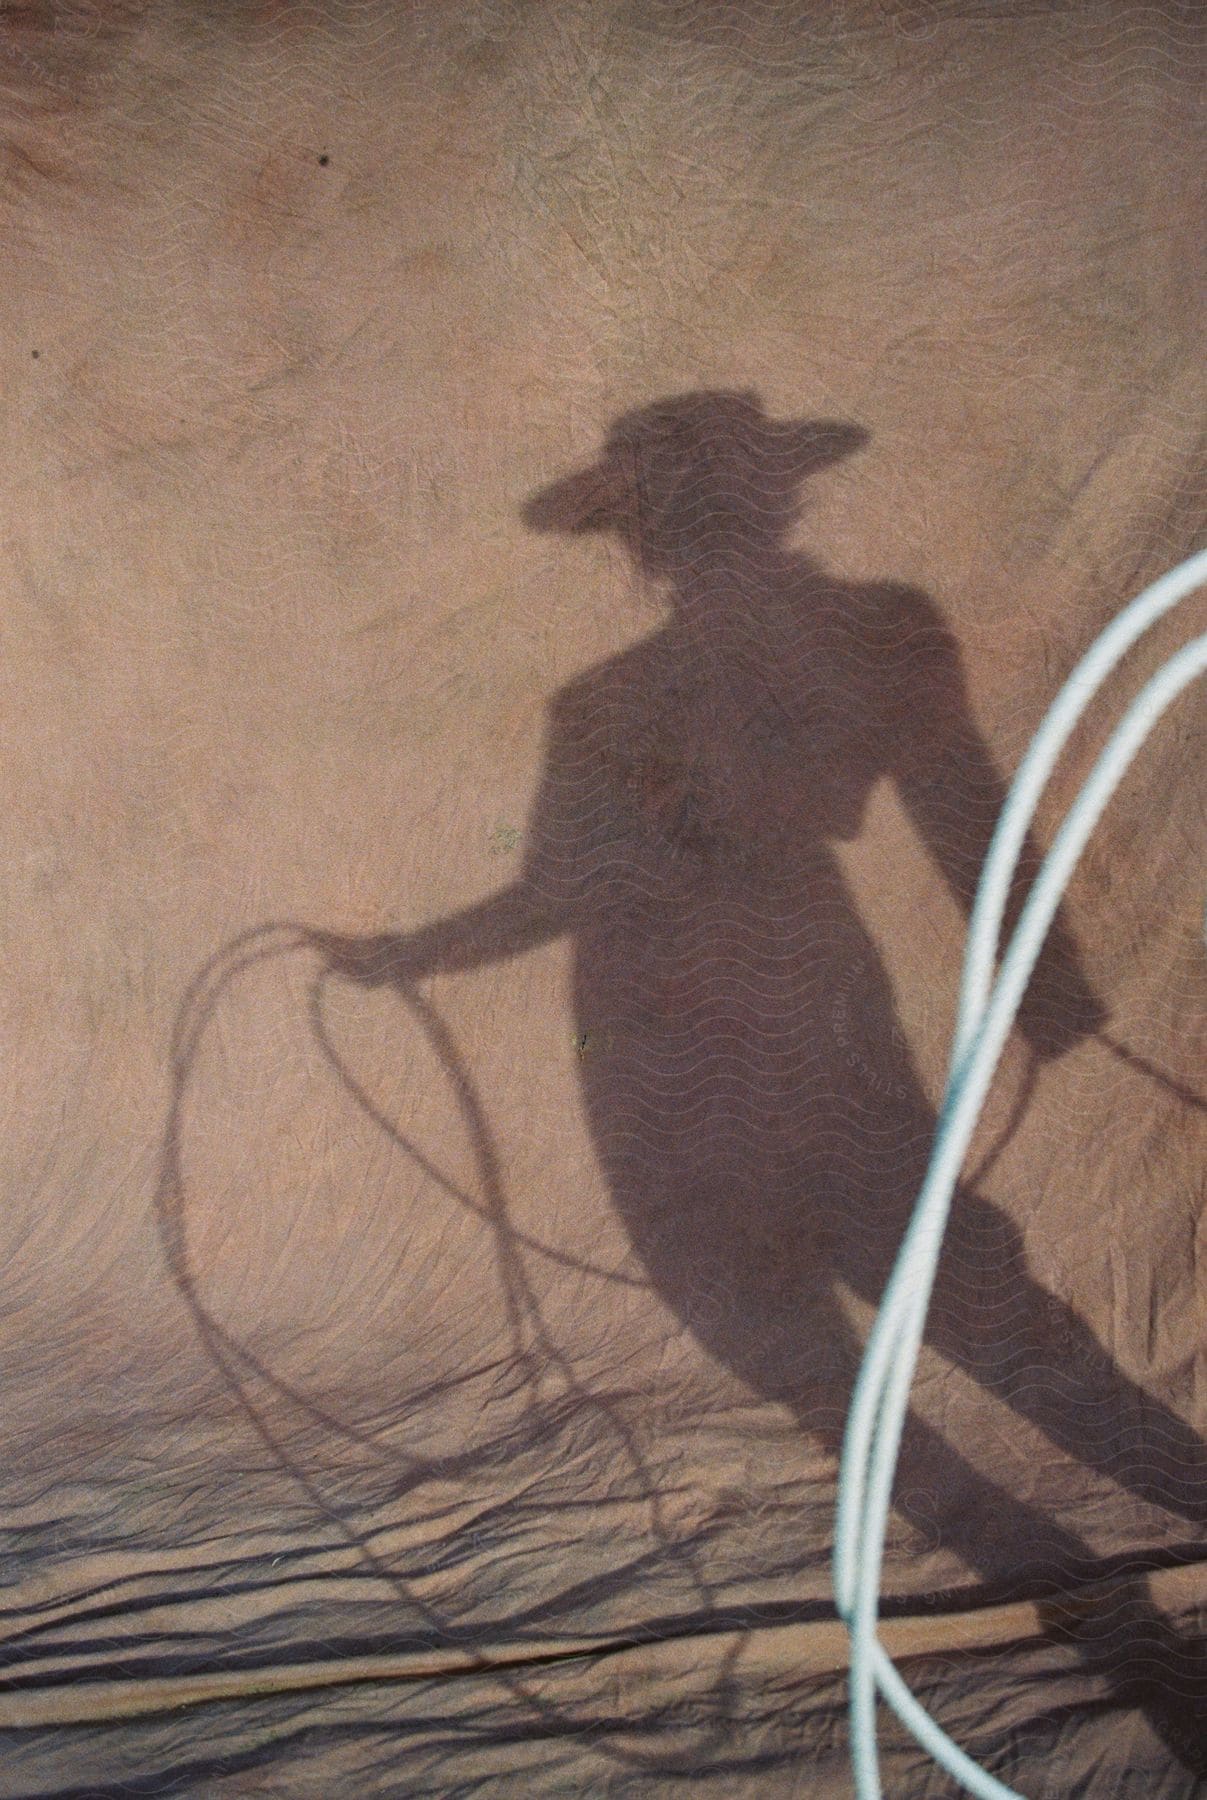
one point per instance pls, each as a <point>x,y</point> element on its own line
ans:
<point>373,961</point>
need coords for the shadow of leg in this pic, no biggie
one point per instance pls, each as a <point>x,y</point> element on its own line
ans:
<point>1147,1661</point>
<point>1142,1659</point>
<point>990,1317</point>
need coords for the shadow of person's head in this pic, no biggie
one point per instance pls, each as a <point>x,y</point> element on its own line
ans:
<point>695,480</point>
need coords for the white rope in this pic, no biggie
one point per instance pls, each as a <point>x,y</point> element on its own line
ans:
<point>985,1013</point>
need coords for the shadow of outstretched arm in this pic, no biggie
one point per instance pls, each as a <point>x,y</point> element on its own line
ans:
<point>505,924</point>
<point>551,895</point>
<point>954,795</point>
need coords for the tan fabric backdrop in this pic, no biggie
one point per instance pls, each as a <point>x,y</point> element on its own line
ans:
<point>655,463</point>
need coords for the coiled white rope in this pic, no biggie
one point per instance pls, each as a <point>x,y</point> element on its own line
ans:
<point>985,1013</point>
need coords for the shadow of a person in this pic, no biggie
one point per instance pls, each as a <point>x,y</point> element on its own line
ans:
<point>752,1099</point>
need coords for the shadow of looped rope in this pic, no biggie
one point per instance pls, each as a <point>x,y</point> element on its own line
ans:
<point>534,1351</point>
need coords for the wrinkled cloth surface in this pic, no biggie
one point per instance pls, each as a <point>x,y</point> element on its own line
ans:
<point>534,538</point>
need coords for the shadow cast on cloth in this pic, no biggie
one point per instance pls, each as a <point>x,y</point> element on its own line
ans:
<point>750,1092</point>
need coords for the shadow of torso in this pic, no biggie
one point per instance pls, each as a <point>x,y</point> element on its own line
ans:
<point>751,1099</point>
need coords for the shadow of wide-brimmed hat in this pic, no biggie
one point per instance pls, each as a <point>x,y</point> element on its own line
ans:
<point>662,452</point>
